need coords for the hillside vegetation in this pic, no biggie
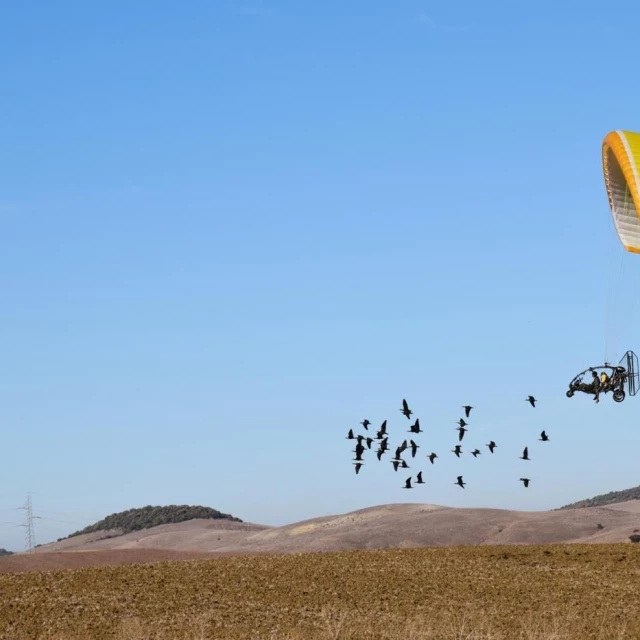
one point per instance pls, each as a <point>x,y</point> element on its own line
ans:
<point>4,552</point>
<point>604,499</point>
<point>147,517</point>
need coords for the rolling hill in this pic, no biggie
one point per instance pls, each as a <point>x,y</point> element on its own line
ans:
<point>613,497</point>
<point>381,527</point>
<point>182,532</point>
<point>149,517</point>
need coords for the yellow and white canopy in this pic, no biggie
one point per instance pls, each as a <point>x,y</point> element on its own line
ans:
<point>621,166</point>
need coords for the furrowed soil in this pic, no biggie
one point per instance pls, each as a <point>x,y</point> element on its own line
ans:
<point>489,592</point>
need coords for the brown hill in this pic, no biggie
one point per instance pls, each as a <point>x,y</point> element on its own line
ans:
<point>148,517</point>
<point>604,499</point>
<point>382,527</point>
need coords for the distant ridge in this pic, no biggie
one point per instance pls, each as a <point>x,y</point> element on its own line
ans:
<point>613,497</point>
<point>148,517</point>
<point>387,526</point>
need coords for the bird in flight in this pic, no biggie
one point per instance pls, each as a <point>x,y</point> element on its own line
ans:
<point>462,423</point>
<point>405,409</point>
<point>420,480</point>
<point>358,465</point>
<point>379,453</point>
<point>457,450</point>
<point>460,482</point>
<point>462,431</point>
<point>544,437</point>
<point>432,457</point>
<point>492,445</point>
<point>350,435</point>
<point>531,400</point>
<point>382,432</point>
<point>525,454</point>
<point>525,481</point>
<point>475,453</point>
<point>467,409</point>
<point>414,449</point>
<point>365,423</point>
<point>415,427</point>
<point>407,484</point>
<point>396,464</point>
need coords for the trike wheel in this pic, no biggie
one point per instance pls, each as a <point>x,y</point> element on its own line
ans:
<point>618,395</point>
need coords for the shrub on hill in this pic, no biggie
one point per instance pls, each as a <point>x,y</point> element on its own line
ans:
<point>606,498</point>
<point>148,517</point>
<point>4,552</point>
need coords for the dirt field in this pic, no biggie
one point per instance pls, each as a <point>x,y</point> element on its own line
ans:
<point>22,562</point>
<point>497,592</point>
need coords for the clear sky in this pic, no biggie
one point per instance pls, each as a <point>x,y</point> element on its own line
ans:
<point>232,230</point>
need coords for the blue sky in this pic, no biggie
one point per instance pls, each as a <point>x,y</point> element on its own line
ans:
<point>232,230</point>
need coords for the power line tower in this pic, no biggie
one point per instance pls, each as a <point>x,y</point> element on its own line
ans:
<point>30,537</point>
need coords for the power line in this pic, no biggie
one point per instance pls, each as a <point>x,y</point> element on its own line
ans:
<point>30,537</point>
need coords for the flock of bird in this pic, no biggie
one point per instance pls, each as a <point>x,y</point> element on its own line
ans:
<point>365,442</point>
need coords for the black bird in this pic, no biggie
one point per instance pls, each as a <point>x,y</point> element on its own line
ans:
<point>526,481</point>
<point>369,442</point>
<point>414,449</point>
<point>358,457</point>
<point>379,453</point>
<point>404,446</point>
<point>420,480</point>
<point>432,457</point>
<point>403,464</point>
<point>531,400</point>
<point>384,445</point>
<point>525,454</point>
<point>475,453</point>
<point>460,482</point>
<point>396,464</point>
<point>398,453</point>
<point>462,423</point>
<point>358,465</point>
<point>492,445</point>
<point>350,436</point>
<point>365,423</point>
<point>415,428</point>
<point>462,431</point>
<point>407,484</point>
<point>457,450</point>
<point>544,437</point>
<point>359,438</point>
<point>467,409</point>
<point>359,448</point>
<point>382,432</point>
<point>405,409</point>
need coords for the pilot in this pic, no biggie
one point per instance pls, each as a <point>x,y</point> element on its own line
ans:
<point>595,387</point>
<point>604,380</point>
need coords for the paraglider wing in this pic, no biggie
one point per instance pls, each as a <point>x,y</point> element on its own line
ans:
<point>621,167</point>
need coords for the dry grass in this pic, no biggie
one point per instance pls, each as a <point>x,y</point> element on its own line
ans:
<point>551,592</point>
